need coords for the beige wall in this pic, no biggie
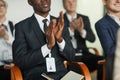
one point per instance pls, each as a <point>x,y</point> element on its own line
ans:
<point>19,9</point>
<point>93,9</point>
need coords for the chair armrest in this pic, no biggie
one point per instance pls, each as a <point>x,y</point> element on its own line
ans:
<point>103,62</point>
<point>15,72</point>
<point>83,68</point>
<point>95,50</point>
<point>17,75</point>
<point>7,67</point>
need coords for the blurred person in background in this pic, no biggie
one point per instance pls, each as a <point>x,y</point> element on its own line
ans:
<point>80,31</point>
<point>116,67</point>
<point>107,28</point>
<point>6,39</point>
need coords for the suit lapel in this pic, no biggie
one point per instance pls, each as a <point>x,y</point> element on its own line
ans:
<point>39,34</point>
<point>114,27</point>
<point>111,21</point>
<point>66,21</point>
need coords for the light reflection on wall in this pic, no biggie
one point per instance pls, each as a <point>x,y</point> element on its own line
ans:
<point>93,9</point>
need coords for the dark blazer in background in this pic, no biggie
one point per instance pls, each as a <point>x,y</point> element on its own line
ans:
<point>107,31</point>
<point>81,42</point>
<point>88,58</point>
<point>27,54</point>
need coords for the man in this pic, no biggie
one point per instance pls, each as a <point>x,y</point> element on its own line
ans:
<point>107,28</point>
<point>6,39</point>
<point>80,32</point>
<point>37,51</point>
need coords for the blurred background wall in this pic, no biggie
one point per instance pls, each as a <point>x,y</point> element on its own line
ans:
<point>19,10</point>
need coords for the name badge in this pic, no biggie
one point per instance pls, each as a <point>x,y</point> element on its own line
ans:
<point>50,64</point>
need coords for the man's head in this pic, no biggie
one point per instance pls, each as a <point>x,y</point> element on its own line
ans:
<point>40,6</point>
<point>3,8</point>
<point>112,6</point>
<point>70,5</point>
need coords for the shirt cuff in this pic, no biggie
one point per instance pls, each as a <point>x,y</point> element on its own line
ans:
<point>61,45</point>
<point>83,33</point>
<point>45,50</point>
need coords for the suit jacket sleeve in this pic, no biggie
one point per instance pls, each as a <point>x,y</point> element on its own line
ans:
<point>23,55</point>
<point>90,35</point>
<point>106,40</point>
<point>68,51</point>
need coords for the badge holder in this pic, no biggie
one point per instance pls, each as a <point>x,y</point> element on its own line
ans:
<point>50,64</point>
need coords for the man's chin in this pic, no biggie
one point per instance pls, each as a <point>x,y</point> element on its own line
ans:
<point>46,11</point>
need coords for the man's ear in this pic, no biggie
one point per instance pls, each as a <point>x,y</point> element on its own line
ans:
<point>30,3</point>
<point>104,2</point>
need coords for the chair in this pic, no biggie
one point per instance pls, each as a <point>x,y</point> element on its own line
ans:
<point>100,62</point>
<point>17,75</point>
<point>95,50</point>
<point>14,71</point>
<point>82,67</point>
<point>103,62</point>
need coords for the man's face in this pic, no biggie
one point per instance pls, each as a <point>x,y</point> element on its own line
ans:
<point>3,9</point>
<point>112,5</point>
<point>70,5</point>
<point>40,6</point>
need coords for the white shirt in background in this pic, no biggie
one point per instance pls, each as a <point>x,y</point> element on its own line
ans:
<point>6,45</point>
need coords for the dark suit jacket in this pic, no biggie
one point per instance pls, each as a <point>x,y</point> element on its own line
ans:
<point>27,54</point>
<point>107,30</point>
<point>81,42</point>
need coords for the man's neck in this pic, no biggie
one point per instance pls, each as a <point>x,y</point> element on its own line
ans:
<point>43,14</point>
<point>117,14</point>
<point>71,13</point>
<point>2,19</point>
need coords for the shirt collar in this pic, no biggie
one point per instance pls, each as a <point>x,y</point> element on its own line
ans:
<point>5,23</point>
<point>117,20</point>
<point>113,16</point>
<point>40,18</point>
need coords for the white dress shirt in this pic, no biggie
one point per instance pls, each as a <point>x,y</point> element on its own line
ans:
<point>73,40</point>
<point>44,49</point>
<point>6,45</point>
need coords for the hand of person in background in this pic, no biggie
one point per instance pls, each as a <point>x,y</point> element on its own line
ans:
<point>3,33</point>
<point>80,25</point>
<point>77,24</point>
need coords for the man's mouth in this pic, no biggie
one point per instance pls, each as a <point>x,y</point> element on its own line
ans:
<point>117,5</point>
<point>45,5</point>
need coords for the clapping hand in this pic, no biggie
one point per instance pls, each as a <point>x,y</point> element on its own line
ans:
<point>77,24</point>
<point>54,31</point>
<point>59,28</point>
<point>3,33</point>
